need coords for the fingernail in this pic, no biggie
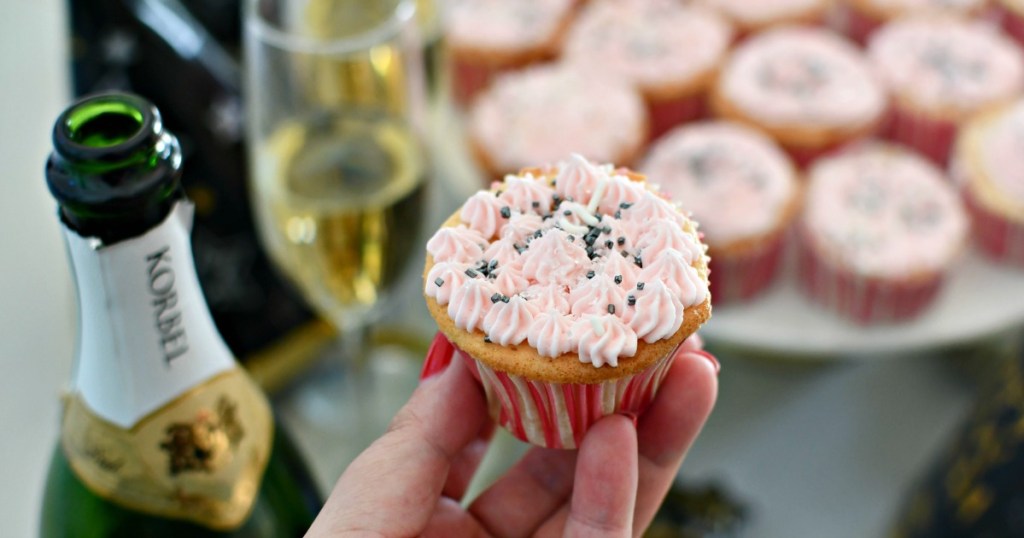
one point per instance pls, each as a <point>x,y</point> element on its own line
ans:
<point>711,358</point>
<point>631,416</point>
<point>439,356</point>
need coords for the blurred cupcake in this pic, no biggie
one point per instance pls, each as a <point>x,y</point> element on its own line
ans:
<point>989,166</point>
<point>811,90</point>
<point>542,114</point>
<point>880,228</point>
<point>578,317</point>
<point>486,37</point>
<point>669,51</point>
<point>858,19</point>
<point>939,71</point>
<point>754,16</point>
<point>743,191</point>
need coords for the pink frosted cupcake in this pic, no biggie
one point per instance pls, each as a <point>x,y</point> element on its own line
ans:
<point>751,16</point>
<point>940,71</point>
<point>989,166</point>
<point>542,114</point>
<point>742,190</point>
<point>880,228</point>
<point>858,19</point>
<point>487,37</point>
<point>568,289</point>
<point>669,51</point>
<point>811,90</point>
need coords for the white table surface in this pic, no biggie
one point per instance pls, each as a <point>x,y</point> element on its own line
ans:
<point>814,451</point>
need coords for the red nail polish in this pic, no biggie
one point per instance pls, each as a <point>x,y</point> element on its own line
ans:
<point>711,358</point>
<point>439,356</point>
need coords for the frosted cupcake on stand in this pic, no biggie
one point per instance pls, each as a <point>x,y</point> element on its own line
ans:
<point>811,90</point>
<point>567,289</point>
<point>488,37</point>
<point>669,51</point>
<point>743,191</point>
<point>751,16</point>
<point>880,228</point>
<point>542,114</point>
<point>858,19</point>
<point>988,165</point>
<point>940,71</point>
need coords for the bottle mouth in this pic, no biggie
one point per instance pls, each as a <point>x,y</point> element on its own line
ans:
<point>106,128</point>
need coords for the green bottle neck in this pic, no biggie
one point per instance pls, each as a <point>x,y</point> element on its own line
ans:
<point>114,170</point>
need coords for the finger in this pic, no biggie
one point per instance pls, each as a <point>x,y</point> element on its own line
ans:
<point>606,481</point>
<point>464,466</point>
<point>536,486</point>
<point>449,519</point>
<point>669,427</point>
<point>443,415</point>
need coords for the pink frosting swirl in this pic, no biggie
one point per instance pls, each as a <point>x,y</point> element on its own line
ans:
<point>442,278</point>
<point>520,227</point>
<point>470,303</point>
<point>663,234</point>
<point>578,179</point>
<point>616,266</point>
<point>552,258</point>
<point>527,194</point>
<point>482,212</point>
<point>509,281</point>
<point>551,334</point>
<point>649,207</point>
<point>620,189</point>
<point>658,313</point>
<point>504,251</point>
<point>598,295</point>
<point>508,323</point>
<point>603,339</point>
<point>672,268</point>
<point>459,243</point>
<point>549,297</point>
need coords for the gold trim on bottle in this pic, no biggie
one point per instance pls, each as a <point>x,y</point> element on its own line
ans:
<point>200,457</point>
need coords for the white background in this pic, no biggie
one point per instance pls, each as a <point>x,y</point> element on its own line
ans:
<point>813,450</point>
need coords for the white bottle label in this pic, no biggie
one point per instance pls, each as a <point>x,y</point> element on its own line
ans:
<point>146,334</point>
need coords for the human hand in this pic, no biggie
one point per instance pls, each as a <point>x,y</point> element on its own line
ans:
<point>409,481</point>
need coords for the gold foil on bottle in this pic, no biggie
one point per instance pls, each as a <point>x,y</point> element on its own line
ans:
<point>200,457</point>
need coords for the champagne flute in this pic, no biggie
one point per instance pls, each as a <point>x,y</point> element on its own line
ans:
<point>334,94</point>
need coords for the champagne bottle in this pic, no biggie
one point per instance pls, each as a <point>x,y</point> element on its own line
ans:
<point>162,433</point>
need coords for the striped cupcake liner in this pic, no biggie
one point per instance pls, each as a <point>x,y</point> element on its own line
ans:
<point>1011,22</point>
<point>1000,239</point>
<point>739,278</point>
<point>932,137</point>
<point>861,299</point>
<point>664,114</point>
<point>553,415</point>
<point>854,23</point>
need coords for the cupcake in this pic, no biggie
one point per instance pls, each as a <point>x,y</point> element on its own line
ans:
<point>939,71</point>
<point>1010,14</point>
<point>858,19</point>
<point>486,37</point>
<point>809,89</point>
<point>742,190</point>
<point>568,288</point>
<point>541,114</point>
<point>754,16</point>
<point>669,51</point>
<point>880,228</point>
<point>989,166</point>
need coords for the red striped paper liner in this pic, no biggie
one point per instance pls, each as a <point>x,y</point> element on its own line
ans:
<point>854,23</point>
<point>930,136</point>
<point>664,114</point>
<point>1011,21</point>
<point>558,415</point>
<point>999,238</point>
<point>859,298</point>
<point>741,277</point>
